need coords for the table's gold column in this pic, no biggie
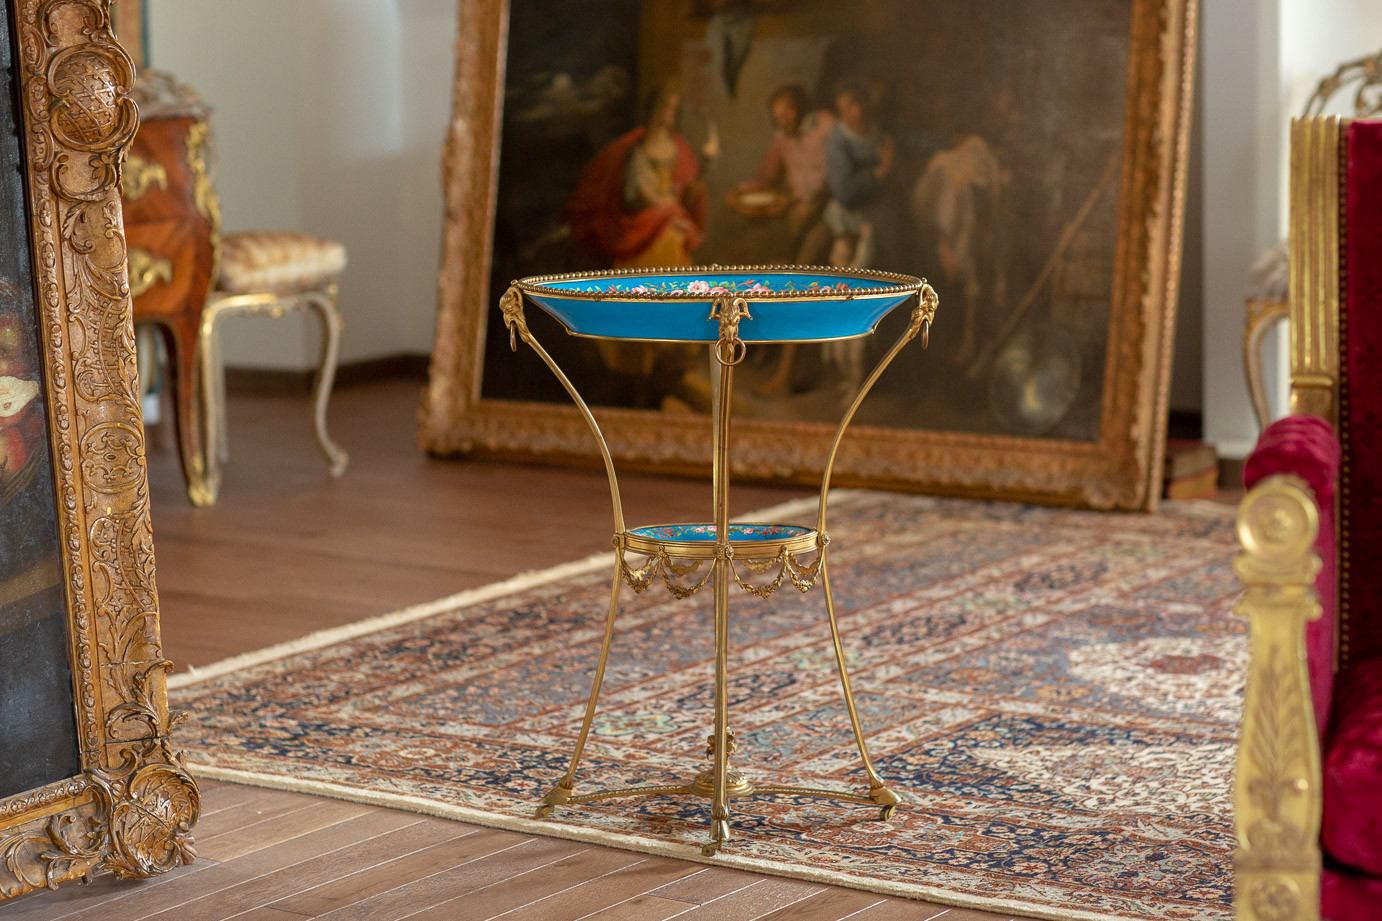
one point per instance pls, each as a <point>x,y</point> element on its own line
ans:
<point>727,352</point>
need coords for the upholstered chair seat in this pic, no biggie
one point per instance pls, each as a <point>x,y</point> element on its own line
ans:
<point>277,261</point>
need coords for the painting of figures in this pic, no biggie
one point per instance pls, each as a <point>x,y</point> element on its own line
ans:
<point>933,138</point>
<point>38,736</point>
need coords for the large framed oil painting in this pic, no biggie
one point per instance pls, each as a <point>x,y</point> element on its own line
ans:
<point>1026,158</point>
<point>88,781</point>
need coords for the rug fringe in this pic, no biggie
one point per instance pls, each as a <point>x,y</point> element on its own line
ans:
<point>518,583</point>
<point>630,842</point>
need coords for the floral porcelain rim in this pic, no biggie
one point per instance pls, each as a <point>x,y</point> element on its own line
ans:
<point>706,532</point>
<point>697,283</point>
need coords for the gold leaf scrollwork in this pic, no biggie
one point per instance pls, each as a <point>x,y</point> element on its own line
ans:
<point>1366,72</point>
<point>97,302</point>
<point>660,565</point>
<point>65,847</point>
<point>147,270</point>
<point>1276,751</point>
<point>150,818</point>
<point>150,800</point>
<point>208,203</point>
<point>140,176</point>
<point>112,458</point>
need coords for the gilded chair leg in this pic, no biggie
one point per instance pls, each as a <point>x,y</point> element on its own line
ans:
<point>561,793</point>
<point>212,397</point>
<point>878,790</point>
<point>325,304</point>
<point>217,362</point>
<point>183,358</point>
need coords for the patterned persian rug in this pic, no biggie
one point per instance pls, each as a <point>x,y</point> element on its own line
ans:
<point>1054,693</point>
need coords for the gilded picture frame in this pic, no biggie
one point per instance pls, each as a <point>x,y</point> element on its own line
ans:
<point>1120,469</point>
<point>130,807</point>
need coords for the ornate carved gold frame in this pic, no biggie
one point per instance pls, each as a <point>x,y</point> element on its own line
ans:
<point>132,808</point>
<point>1121,470</point>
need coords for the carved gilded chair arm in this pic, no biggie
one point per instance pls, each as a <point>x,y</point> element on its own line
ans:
<point>1277,791</point>
<point>1261,316</point>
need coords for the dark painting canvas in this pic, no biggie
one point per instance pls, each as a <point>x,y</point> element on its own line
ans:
<point>959,140</point>
<point>38,734</point>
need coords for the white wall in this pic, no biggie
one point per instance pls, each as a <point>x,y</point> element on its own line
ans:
<point>1261,60</point>
<point>1241,149</point>
<point>1315,39</point>
<point>330,116</point>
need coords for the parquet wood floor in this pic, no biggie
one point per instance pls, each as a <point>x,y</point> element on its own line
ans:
<point>288,551</point>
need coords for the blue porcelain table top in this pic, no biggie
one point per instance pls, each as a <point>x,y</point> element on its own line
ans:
<point>697,533</point>
<point>786,303</point>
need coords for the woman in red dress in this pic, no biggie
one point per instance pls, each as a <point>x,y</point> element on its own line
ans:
<point>641,202</point>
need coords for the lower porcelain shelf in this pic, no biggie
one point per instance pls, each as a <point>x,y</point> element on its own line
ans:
<point>698,541</point>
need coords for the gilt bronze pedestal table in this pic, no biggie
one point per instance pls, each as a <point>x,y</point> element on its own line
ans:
<point>729,309</point>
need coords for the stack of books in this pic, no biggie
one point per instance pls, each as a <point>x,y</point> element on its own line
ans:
<point>1192,470</point>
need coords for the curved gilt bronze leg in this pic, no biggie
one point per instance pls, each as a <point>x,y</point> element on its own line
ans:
<point>923,312</point>
<point>326,305</point>
<point>560,795</point>
<point>1261,317</point>
<point>511,306</point>
<point>878,791</point>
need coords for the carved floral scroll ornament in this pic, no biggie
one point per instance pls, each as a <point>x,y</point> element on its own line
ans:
<point>132,809</point>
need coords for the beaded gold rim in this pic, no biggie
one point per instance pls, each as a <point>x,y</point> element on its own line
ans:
<point>892,284</point>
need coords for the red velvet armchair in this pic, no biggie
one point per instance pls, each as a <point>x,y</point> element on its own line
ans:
<point>1308,793</point>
